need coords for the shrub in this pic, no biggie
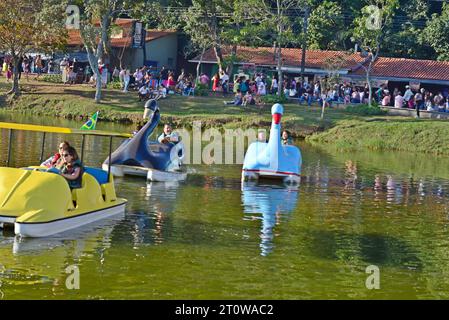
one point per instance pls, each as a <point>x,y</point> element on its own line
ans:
<point>201,90</point>
<point>114,85</point>
<point>365,110</point>
<point>273,98</point>
<point>54,78</point>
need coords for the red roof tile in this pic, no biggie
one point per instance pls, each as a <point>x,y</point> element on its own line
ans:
<point>291,56</point>
<point>383,67</point>
<point>409,68</point>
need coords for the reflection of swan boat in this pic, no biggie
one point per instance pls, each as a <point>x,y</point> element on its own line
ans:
<point>272,159</point>
<point>143,157</point>
<point>41,203</point>
<point>273,203</point>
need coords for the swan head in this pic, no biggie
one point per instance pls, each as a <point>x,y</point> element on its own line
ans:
<point>276,111</point>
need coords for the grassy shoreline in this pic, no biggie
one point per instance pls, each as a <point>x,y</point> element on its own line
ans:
<point>340,129</point>
<point>42,98</point>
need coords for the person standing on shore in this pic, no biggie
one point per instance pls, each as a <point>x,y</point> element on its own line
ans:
<point>62,67</point>
<point>126,79</point>
<point>39,66</point>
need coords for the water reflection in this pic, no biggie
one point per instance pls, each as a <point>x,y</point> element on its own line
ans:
<point>98,233</point>
<point>41,262</point>
<point>150,225</point>
<point>270,203</point>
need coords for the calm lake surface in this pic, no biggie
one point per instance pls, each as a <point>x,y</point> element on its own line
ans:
<point>212,238</point>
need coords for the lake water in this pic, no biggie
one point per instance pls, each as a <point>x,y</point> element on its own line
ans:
<point>211,237</point>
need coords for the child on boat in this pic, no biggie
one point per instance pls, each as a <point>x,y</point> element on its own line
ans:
<point>286,138</point>
<point>72,168</point>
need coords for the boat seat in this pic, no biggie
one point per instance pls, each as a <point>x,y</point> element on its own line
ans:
<point>100,175</point>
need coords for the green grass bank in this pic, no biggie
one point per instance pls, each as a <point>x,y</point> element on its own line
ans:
<point>50,99</point>
<point>341,129</point>
<point>413,135</point>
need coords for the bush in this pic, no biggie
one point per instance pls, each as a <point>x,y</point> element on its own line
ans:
<point>54,78</point>
<point>273,98</point>
<point>365,110</point>
<point>201,90</point>
<point>115,85</point>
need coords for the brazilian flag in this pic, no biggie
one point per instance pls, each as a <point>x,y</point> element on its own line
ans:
<point>91,123</point>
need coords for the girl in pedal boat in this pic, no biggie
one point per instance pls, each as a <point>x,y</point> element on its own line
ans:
<point>72,168</point>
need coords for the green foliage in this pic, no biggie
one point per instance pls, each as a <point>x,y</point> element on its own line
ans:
<point>325,26</point>
<point>437,33</point>
<point>53,78</point>
<point>115,85</point>
<point>365,110</point>
<point>201,90</point>
<point>273,98</point>
<point>370,26</point>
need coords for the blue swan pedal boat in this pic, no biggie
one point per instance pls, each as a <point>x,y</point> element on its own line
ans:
<point>273,159</point>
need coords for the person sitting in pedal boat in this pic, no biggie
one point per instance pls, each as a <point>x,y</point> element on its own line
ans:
<point>56,160</point>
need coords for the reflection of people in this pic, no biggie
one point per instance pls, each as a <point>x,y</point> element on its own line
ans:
<point>286,138</point>
<point>168,135</point>
<point>56,160</point>
<point>72,169</point>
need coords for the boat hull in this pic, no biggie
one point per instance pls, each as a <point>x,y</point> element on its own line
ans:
<point>151,174</point>
<point>44,229</point>
<point>286,177</point>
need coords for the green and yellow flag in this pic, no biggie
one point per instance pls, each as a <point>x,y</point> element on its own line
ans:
<point>91,123</point>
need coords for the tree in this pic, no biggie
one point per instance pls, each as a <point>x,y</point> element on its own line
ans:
<point>30,25</point>
<point>326,27</point>
<point>369,31</point>
<point>95,26</point>
<point>436,33</point>
<point>332,66</point>
<point>204,19</point>
<point>277,21</point>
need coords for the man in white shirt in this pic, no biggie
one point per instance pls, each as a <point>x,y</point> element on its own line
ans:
<point>143,93</point>
<point>168,135</point>
<point>408,94</point>
<point>398,101</point>
<point>224,78</point>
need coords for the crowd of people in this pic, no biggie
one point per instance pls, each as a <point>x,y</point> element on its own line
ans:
<point>420,99</point>
<point>27,65</point>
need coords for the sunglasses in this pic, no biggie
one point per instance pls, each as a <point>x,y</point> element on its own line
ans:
<point>65,155</point>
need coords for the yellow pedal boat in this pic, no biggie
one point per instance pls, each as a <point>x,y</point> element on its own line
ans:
<point>40,203</point>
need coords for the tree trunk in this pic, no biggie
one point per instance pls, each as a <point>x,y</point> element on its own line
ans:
<point>230,66</point>
<point>279,64</point>
<point>199,65</point>
<point>219,56</point>
<point>368,81</point>
<point>304,44</point>
<point>93,61</point>
<point>15,83</point>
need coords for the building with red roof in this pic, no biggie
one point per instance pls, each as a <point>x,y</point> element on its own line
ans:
<point>159,48</point>
<point>394,71</point>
